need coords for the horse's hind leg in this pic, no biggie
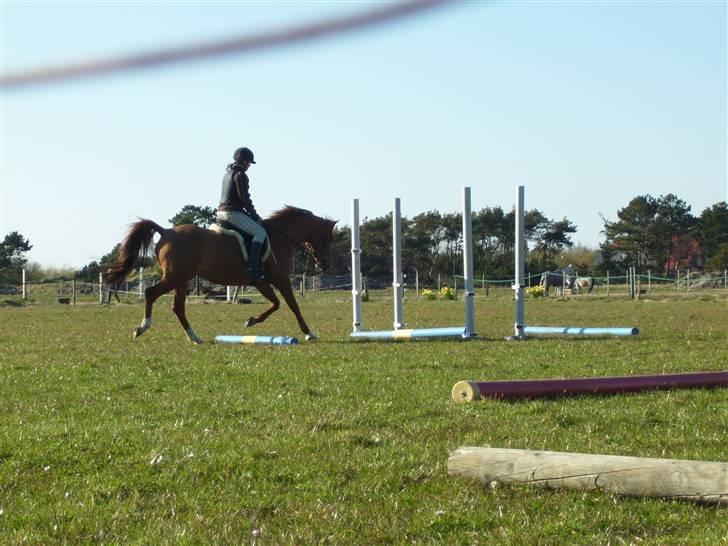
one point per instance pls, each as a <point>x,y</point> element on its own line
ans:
<point>180,295</point>
<point>267,291</point>
<point>151,295</point>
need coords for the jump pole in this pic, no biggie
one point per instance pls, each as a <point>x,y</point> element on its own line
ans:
<point>257,340</point>
<point>470,391</point>
<point>399,331</point>
<point>521,330</point>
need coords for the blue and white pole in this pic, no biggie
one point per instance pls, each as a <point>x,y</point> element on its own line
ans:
<point>578,331</point>
<point>257,340</point>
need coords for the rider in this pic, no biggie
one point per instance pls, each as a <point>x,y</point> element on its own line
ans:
<point>237,208</point>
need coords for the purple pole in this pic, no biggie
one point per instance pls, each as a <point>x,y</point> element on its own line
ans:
<point>468,391</point>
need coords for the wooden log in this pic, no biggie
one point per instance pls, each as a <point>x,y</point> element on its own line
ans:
<point>700,481</point>
<point>469,391</point>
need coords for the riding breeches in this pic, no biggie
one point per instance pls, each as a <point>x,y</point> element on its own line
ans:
<point>243,222</point>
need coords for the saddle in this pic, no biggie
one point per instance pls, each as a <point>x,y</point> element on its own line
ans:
<point>244,239</point>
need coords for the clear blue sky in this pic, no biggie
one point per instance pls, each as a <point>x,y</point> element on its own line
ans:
<point>587,104</point>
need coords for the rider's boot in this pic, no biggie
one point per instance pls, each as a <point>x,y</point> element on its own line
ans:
<point>255,269</point>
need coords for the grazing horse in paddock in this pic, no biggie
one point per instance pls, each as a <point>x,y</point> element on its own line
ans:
<point>185,250</point>
<point>583,283</point>
<point>556,280</point>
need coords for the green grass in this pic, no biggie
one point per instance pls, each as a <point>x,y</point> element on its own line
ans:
<point>106,439</point>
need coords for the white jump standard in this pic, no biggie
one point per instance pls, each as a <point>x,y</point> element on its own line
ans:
<point>399,332</point>
<point>519,286</point>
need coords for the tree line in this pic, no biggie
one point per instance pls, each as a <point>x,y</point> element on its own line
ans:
<point>649,232</point>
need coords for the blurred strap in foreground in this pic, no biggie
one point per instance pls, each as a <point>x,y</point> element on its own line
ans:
<point>230,46</point>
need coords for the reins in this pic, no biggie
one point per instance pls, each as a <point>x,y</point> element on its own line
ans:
<point>305,246</point>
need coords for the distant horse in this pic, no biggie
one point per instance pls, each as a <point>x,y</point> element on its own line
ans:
<point>556,280</point>
<point>111,290</point>
<point>185,250</point>
<point>583,283</point>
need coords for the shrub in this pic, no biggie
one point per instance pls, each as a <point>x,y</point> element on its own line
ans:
<point>428,294</point>
<point>535,291</point>
<point>447,293</point>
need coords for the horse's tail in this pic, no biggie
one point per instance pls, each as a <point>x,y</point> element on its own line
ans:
<point>137,242</point>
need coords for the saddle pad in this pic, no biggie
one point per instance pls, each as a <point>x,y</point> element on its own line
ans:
<point>265,254</point>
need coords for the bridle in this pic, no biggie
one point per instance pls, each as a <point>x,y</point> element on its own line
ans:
<point>305,246</point>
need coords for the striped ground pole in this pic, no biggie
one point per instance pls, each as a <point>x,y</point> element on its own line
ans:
<point>259,340</point>
<point>420,333</point>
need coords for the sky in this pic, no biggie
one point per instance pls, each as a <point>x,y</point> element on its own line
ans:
<point>586,104</point>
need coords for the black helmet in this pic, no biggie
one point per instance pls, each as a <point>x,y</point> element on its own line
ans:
<point>243,154</point>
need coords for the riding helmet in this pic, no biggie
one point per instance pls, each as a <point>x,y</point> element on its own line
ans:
<point>243,154</point>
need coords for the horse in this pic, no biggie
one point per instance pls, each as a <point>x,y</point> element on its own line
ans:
<point>555,279</point>
<point>187,249</point>
<point>583,283</point>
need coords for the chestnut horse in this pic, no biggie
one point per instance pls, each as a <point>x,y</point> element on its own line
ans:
<point>185,250</point>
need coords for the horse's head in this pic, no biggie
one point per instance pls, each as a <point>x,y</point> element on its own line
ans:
<point>570,281</point>
<point>319,242</point>
<point>305,228</point>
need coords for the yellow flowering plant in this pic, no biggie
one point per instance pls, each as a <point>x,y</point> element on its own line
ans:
<point>535,291</point>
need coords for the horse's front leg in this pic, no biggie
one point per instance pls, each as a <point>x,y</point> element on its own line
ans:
<point>267,291</point>
<point>287,293</point>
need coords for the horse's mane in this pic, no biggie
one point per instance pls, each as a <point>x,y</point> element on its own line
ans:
<point>288,212</point>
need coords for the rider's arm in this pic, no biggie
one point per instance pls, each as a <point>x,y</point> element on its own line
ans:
<point>241,184</point>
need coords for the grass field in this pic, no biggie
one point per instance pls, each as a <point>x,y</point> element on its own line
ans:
<point>105,439</point>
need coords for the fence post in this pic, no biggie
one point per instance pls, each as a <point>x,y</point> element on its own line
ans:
<point>649,281</point>
<point>628,277</point>
<point>73,291</point>
<point>677,279</point>
<point>25,293</point>
<point>607,282</point>
<point>141,282</point>
<point>438,283</point>
<point>101,287</point>
<point>417,283</point>
<point>687,281</point>
<point>638,284</point>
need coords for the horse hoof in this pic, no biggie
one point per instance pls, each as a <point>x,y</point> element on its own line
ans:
<point>311,337</point>
<point>137,332</point>
<point>251,322</point>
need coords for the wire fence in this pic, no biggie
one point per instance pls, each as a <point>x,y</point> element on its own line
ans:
<point>631,284</point>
